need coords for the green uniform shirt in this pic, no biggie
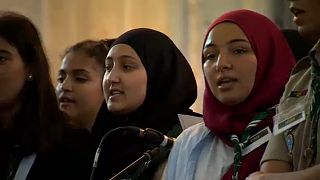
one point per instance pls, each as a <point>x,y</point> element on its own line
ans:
<point>294,145</point>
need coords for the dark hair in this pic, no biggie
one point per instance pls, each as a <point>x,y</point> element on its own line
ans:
<point>39,123</point>
<point>96,49</point>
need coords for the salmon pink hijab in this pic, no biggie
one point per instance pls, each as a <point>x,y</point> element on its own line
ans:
<point>274,63</point>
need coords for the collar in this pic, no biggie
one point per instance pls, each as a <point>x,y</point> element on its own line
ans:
<point>315,52</point>
<point>305,62</point>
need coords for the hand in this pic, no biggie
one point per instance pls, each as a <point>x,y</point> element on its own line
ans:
<point>257,176</point>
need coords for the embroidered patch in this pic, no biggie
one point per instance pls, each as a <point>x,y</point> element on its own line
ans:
<point>298,93</point>
<point>290,142</point>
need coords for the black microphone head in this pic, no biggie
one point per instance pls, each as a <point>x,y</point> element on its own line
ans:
<point>130,131</point>
<point>153,136</point>
<point>157,138</point>
<point>126,131</point>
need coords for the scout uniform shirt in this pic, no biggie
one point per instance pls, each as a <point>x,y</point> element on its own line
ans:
<point>292,142</point>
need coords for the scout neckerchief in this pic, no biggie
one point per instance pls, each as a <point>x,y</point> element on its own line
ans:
<point>315,103</point>
<point>239,144</point>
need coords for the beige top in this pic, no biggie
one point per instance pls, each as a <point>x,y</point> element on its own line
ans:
<point>294,145</point>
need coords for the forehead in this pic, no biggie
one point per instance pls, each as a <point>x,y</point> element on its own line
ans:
<point>225,32</point>
<point>79,60</point>
<point>4,45</point>
<point>120,50</point>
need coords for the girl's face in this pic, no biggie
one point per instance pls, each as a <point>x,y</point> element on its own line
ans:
<point>125,80</point>
<point>79,88</point>
<point>13,74</point>
<point>230,64</point>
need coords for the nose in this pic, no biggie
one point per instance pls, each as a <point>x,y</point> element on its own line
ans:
<point>65,85</point>
<point>112,76</point>
<point>222,63</point>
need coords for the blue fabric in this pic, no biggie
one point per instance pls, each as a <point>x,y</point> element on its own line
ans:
<point>198,154</point>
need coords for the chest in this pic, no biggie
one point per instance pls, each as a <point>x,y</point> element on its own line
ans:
<point>294,119</point>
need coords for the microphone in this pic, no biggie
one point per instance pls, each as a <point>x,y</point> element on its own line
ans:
<point>152,136</point>
<point>156,137</point>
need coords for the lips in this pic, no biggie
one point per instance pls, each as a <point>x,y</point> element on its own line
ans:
<point>115,92</point>
<point>66,100</point>
<point>225,80</point>
<point>296,11</point>
<point>226,83</point>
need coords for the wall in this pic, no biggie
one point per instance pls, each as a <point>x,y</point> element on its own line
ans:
<point>64,22</point>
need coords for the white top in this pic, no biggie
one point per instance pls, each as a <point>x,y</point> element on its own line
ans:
<point>24,167</point>
<point>198,154</point>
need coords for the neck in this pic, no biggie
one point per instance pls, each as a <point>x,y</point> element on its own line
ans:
<point>7,114</point>
<point>83,122</point>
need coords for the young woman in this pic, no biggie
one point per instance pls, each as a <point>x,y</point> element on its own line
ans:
<point>34,142</point>
<point>147,83</point>
<point>79,87</point>
<point>245,70</point>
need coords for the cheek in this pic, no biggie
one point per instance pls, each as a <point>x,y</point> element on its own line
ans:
<point>140,90</point>
<point>95,92</point>
<point>249,76</point>
<point>105,87</point>
<point>58,88</point>
<point>11,85</point>
<point>210,75</point>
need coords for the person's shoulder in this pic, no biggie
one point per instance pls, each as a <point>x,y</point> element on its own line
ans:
<point>194,133</point>
<point>300,76</point>
<point>189,140</point>
<point>305,63</point>
<point>302,65</point>
<point>196,128</point>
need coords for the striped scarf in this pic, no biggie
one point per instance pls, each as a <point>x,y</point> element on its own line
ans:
<point>239,144</point>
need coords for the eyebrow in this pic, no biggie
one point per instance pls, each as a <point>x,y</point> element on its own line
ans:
<point>122,57</point>
<point>211,44</point>
<point>74,71</point>
<point>5,51</point>
<point>237,40</point>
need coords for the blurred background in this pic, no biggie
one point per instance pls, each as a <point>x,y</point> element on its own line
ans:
<point>65,22</point>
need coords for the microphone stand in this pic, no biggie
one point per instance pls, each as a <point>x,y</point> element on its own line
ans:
<point>145,158</point>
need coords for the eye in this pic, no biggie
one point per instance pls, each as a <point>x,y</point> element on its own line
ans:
<point>240,51</point>
<point>60,78</point>
<point>128,67</point>
<point>3,59</point>
<point>210,56</point>
<point>81,79</point>
<point>108,67</point>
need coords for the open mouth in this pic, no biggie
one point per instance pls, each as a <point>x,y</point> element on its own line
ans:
<point>115,92</point>
<point>66,100</point>
<point>225,81</point>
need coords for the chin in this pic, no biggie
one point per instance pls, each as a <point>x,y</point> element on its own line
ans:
<point>67,112</point>
<point>230,101</point>
<point>227,101</point>
<point>115,109</point>
<point>112,108</point>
